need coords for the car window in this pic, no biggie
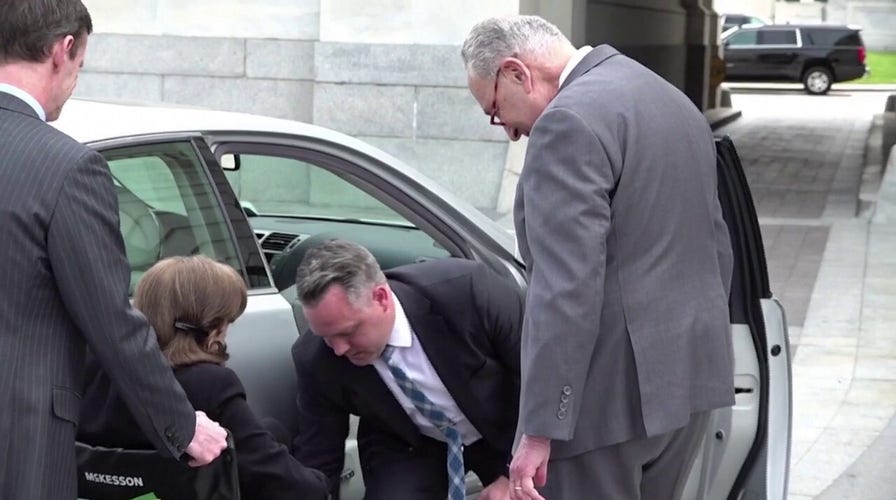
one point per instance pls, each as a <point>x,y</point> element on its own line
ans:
<point>743,37</point>
<point>777,37</point>
<point>756,20</point>
<point>830,38</point>
<point>167,206</point>
<point>150,179</point>
<point>294,203</point>
<point>273,185</point>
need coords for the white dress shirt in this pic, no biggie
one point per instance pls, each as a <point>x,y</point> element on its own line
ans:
<point>573,61</point>
<point>409,355</point>
<point>25,96</point>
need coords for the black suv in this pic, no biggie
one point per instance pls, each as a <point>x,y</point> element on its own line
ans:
<point>816,55</point>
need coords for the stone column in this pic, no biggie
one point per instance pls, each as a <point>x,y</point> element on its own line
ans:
<point>702,50</point>
<point>650,31</point>
<point>569,15</point>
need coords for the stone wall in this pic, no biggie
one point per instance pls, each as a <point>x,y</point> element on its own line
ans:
<point>386,71</point>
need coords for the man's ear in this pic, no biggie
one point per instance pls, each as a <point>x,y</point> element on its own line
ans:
<point>63,50</point>
<point>518,73</point>
<point>382,296</point>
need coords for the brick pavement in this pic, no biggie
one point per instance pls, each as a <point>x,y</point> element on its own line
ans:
<point>832,262</point>
<point>802,173</point>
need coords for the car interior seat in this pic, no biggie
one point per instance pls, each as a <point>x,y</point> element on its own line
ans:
<point>285,265</point>
<point>120,474</point>
<point>386,251</point>
<point>141,232</point>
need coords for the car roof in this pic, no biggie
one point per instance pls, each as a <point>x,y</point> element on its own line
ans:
<point>92,120</point>
<point>89,121</point>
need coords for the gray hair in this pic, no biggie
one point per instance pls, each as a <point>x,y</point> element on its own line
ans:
<point>495,38</point>
<point>337,262</point>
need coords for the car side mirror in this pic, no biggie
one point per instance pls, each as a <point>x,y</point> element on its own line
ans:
<point>230,161</point>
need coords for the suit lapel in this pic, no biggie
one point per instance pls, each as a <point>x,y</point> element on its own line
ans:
<point>597,55</point>
<point>452,361</point>
<point>519,225</point>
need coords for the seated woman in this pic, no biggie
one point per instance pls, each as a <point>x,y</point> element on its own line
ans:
<point>190,302</point>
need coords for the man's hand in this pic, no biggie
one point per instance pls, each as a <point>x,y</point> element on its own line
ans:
<point>208,442</point>
<point>498,490</point>
<point>529,467</point>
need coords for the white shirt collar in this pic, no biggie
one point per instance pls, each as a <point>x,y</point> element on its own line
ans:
<point>25,96</point>
<point>573,62</point>
<point>402,335</point>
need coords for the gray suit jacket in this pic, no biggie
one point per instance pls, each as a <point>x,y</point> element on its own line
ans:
<point>63,282</point>
<point>626,331</point>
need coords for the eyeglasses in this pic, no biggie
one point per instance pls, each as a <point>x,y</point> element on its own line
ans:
<point>495,120</point>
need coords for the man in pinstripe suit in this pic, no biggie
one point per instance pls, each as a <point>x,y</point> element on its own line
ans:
<point>63,272</point>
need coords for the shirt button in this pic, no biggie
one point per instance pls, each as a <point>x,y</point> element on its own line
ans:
<point>563,406</point>
<point>564,398</point>
<point>567,390</point>
<point>561,414</point>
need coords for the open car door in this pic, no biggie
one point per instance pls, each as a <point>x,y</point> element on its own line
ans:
<point>746,450</point>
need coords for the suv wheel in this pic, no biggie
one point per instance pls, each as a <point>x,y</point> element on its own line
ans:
<point>817,80</point>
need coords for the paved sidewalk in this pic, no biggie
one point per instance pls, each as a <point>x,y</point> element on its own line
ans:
<point>837,87</point>
<point>833,265</point>
<point>865,417</point>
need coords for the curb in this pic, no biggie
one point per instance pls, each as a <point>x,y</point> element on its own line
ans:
<point>719,117</point>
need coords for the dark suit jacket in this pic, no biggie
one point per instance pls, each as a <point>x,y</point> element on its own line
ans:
<point>266,469</point>
<point>467,320</point>
<point>65,282</point>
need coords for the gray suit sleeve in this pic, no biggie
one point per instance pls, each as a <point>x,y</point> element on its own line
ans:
<point>92,273</point>
<point>566,185</point>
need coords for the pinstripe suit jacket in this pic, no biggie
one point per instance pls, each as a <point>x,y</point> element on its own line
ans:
<point>63,285</point>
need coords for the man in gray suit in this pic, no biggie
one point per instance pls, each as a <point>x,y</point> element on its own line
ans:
<point>626,338</point>
<point>64,273</point>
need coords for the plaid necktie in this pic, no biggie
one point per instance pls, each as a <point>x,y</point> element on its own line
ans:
<point>456,485</point>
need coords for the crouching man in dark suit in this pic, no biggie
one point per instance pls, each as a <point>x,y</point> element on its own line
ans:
<point>427,355</point>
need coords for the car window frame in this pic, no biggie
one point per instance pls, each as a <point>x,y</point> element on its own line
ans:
<point>248,254</point>
<point>358,178</point>
<point>740,32</point>
<point>757,45</point>
<point>434,216</point>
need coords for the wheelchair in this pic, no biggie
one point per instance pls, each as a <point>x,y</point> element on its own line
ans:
<point>127,474</point>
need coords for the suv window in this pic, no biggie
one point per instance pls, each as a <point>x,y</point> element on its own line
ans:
<point>777,37</point>
<point>831,38</point>
<point>167,206</point>
<point>743,37</point>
